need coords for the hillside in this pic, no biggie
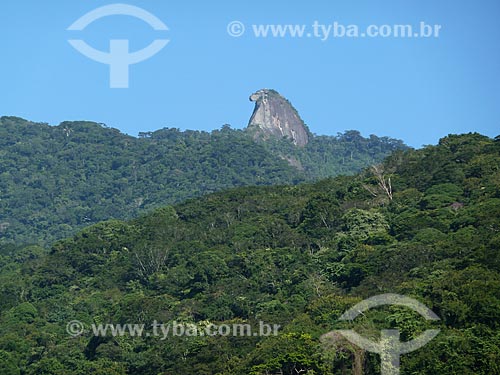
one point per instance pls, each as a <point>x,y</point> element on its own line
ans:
<point>424,224</point>
<point>55,180</point>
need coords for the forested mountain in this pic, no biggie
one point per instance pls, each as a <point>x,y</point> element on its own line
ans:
<point>425,224</point>
<point>55,180</point>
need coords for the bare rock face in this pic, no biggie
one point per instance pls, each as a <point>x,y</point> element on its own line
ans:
<point>274,116</point>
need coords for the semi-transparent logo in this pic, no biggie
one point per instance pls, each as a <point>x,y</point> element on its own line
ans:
<point>389,347</point>
<point>119,58</point>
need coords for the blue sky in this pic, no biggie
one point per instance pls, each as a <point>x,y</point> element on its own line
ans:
<point>414,89</point>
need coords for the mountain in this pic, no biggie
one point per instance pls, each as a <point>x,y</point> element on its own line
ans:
<point>274,116</point>
<point>424,224</point>
<point>55,180</point>
<point>277,125</point>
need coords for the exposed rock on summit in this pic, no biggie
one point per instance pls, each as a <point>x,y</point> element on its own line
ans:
<point>274,116</point>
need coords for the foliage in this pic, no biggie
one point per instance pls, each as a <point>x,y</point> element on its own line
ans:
<point>297,256</point>
<point>55,180</point>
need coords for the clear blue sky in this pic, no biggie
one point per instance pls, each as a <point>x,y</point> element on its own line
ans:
<point>414,89</point>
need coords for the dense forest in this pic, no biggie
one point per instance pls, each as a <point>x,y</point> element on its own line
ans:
<point>55,180</point>
<point>424,224</point>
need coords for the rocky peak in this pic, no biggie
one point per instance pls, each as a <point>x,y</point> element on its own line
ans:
<point>274,116</point>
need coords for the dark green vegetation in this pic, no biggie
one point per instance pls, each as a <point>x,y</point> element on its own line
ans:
<point>426,224</point>
<point>326,156</point>
<point>57,180</point>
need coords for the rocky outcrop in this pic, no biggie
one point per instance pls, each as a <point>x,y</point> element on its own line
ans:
<point>274,116</point>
